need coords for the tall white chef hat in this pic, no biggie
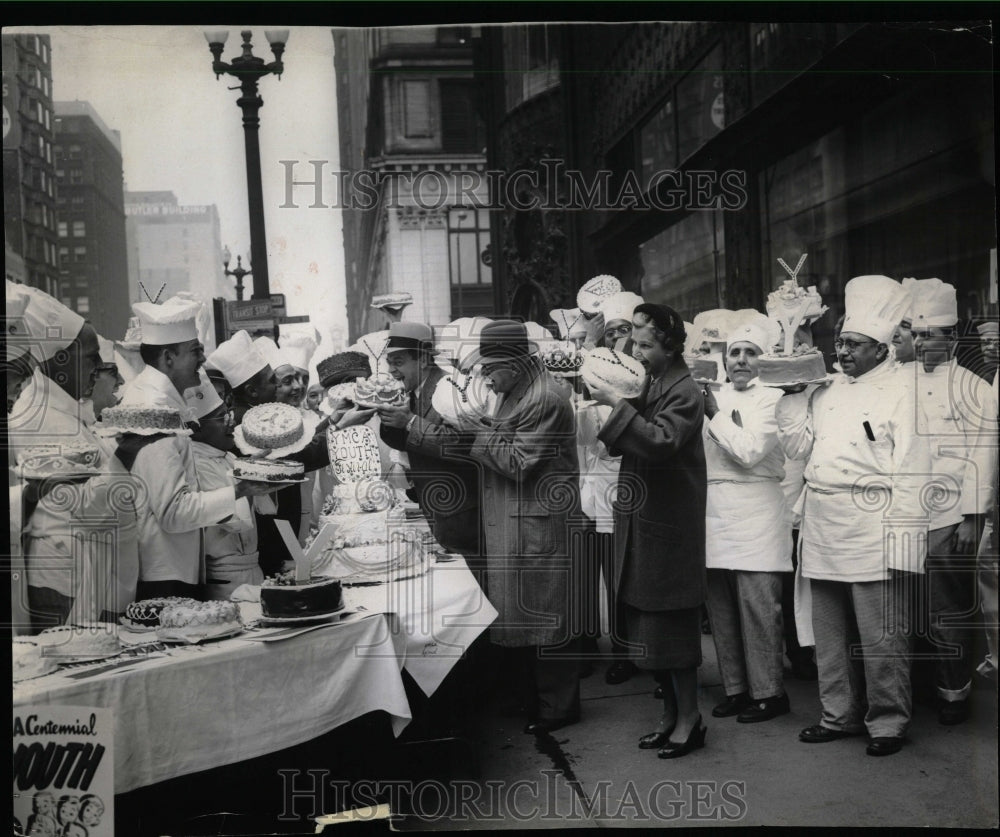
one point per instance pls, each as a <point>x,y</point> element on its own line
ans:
<point>589,297</point>
<point>934,305</point>
<point>909,285</point>
<point>274,356</point>
<point>171,322</point>
<point>712,326</point>
<point>568,321</point>
<point>238,359</point>
<point>619,306</point>
<point>51,325</point>
<point>756,328</point>
<point>204,398</point>
<point>874,306</point>
<point>298,349</point>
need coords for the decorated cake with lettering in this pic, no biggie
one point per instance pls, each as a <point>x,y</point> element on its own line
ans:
<point>270,426</point>
<point>283,597</point>
<point>268,470</point>
<point>794,360</point>
<point>610,369</point>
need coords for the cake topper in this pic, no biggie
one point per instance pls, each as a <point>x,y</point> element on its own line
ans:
<point>152,299</point>
<point>792,308</point>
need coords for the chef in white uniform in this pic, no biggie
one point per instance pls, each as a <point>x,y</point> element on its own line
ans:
<point>172,507</point>
<point>957,415</point>
<point>863,524</point>
<point>748,539</point>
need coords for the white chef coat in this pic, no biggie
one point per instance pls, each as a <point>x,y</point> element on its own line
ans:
<point>230,547</point>
<point>859,491</point>
<point>172,509</point>
<point>957,415</point>
<point>98,567</point>
<point>598,469</point>
<point>745,520</point>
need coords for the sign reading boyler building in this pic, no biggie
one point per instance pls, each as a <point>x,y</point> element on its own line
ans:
<point>164,209</point>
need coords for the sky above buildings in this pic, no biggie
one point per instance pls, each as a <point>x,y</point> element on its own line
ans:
<point>182,131</point>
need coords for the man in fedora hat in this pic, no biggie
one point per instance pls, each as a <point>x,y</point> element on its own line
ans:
<point>530,497</point>
<point>447,485</point>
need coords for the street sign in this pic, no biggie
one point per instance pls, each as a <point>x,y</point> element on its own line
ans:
<point>252,309</point>
<point>298,318</point>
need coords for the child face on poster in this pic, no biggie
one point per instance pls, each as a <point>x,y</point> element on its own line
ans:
<point>67,810</point>
<point>74,829</point>
<point>43,803</point>
<point>91,810</point>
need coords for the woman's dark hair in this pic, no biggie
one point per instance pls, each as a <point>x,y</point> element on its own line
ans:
<point>668,327</point>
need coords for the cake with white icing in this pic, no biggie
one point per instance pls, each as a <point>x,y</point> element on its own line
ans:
<point>379,391</point>
<point>268,470</point>
<point>270,426</point>
<point>128,419</point>
<point>80,641</point>
<point>794,360</point>
<point>608,369</point>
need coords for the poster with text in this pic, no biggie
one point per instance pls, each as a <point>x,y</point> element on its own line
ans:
<point>64,771</point>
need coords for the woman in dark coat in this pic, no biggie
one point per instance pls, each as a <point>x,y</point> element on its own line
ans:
<point>659,568</point>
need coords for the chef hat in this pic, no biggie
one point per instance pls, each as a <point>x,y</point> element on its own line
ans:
<point>298,349</point>
<point>990,329</point>
<point>589,297</point>
<point>203,321</point>
<point>568,321</point>
<point>107,348</point>
<point>204,398</point>
<point>16,337</point>
<point>712,325</point>
<point>909,285</point>
<point>238,359</point>
<point>171,322</point>
<point>51,325</point>
<point>754,327</point>
<point>275,357</point>
<point>458,341</point>
<point>934,305</point>
<point>619,306</point>
<point>874,306</point>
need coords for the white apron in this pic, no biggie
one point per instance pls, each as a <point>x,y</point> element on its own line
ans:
<point>746,528</point>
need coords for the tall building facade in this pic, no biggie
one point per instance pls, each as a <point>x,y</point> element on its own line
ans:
<point>414,198</point>
<point>173,247</point>
<point>686,158</point>
<point>93,265</point>
<point>29,193</point>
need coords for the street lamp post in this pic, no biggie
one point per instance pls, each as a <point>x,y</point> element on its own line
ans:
<point>248,68</point>
<point>239,271</point>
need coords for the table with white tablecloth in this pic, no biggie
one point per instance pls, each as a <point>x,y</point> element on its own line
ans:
<point>218,703</point>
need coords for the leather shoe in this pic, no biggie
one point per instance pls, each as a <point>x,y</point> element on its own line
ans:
<point>732,705</point>
<point>884,746</point>
<point>543,726</point>
<point>764,710</point>
<point>819,734</point>
<point>953,712</point>
<point>618,672</point>
<point>695,741</point>
<point>655,740</point>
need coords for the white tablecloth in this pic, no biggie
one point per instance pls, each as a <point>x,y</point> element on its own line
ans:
<point>227,701</point>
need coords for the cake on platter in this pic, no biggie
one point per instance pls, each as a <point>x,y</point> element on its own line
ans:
<point>268,470</point>
<point>65,459</point>
<point>195,621</point>
<point>794,360</point>
<point>379,391</point>
<point>141,420</point>
<point>179,612</point>
<point>609,369</point>
<point>78,642</point>
<point>270,426</point>
<point>282,597</point>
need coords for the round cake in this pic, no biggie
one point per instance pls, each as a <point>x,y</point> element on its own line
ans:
<point>146,613</point>
<point>127,419</point>
<point>268,470</point>
<point>392,300</point>
<point>563,359</point>
<point>379,391</point>
<point>194,614</point>
<point>65,458</point>
<point>588,298</point>
<point>269,426</point>
<point>805,364</point>
<point>343,367</point>
<point>608,369</point>
<point>96,640</point>
<point>283,597</point>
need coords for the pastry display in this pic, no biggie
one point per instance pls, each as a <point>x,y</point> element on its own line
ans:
<point>609,369</point>
<point>270,426</point>
<point>268,470</point>
<point>283,597</point>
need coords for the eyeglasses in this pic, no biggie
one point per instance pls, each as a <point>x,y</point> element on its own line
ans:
<point>851,345</point>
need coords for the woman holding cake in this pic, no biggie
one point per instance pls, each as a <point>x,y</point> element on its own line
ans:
<point>747,539</point>
<point>659,523</point>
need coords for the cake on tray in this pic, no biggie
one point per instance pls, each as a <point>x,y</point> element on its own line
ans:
<point>379,391</point>
<point>805,364</point>
<point>142,420</point>
<point>80,641</point>
<point>268,470</point>
<point>794,360</point>
<point>283,597</point>
<point>270,426</point>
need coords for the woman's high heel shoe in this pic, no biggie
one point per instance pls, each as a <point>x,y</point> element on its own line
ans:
<point>695,741</point>
<point>655,740</point>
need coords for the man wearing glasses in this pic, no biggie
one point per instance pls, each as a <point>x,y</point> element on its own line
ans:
<point>863,525</point>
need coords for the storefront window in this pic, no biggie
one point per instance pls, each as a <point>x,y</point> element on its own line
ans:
<point>682,265</point>
<point>701,110</point>
<point>531,62</point>
<point>657,141</point>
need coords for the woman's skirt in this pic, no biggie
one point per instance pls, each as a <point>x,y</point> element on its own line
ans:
<point>663,639</point>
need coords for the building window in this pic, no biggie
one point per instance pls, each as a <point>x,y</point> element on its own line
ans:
<point>417,109</point>
<point>79,229</point>
<point>79,254</point>
<point>83,305</point>
<point>462,129</point>
<point>658,141</point>
<point>75,152</point>
<point>683,264</point>
<point>468,237</point>
<point>45,53</point>
<point>531,62</point>
<point>63,229</point>
<point>701,111</point>
<point>76,176</point>
<point>64,254</point>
